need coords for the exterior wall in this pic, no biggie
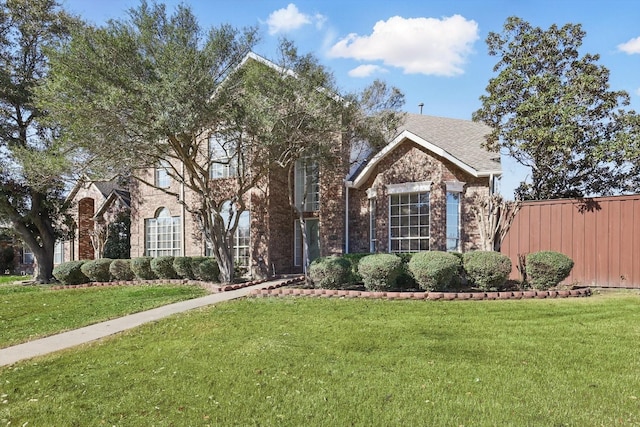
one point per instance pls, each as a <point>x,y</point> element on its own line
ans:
<point>601,235</point>
<point>410,163</point>
<point>85,201</point>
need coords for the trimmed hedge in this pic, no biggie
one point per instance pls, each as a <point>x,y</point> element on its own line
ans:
<point>207,269</point>
<point>97,270</point>
<point>162,267</point>
<point>487,269</point>
<point>435,270</point>
<point>354,260</point>
<point>546,269</point>
<point>120,269</point>
<point>183,267</point>
<point>141,267</point>
<point>70,273</point>
<point>330,272</point>
<point>380,272</point>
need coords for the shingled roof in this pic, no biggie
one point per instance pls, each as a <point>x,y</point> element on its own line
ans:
<point>459,141</point>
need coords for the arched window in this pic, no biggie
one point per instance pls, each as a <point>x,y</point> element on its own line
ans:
<point>163,234</point>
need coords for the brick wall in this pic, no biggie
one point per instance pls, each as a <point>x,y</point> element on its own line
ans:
<point>410,163</point>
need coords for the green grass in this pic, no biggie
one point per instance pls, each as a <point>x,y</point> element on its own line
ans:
<point>342,362</point>
<point>28,312</point>
<point>10,279</point>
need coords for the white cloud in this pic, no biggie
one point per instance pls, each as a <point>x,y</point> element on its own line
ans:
<point>630,47</point>
<point>417,45</point>
<point>290,18</point>
<point>366,70</point>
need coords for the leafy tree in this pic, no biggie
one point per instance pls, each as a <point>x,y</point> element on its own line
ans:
<point>32,160</point>
<point>157,88</point>
<point>552,110</point>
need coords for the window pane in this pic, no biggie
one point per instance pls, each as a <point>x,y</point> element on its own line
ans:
<point>409,222</point>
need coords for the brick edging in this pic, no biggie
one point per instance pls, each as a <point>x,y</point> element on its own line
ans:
<point>445,296</point>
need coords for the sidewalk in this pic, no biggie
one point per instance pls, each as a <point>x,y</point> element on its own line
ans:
<point>94,332</point>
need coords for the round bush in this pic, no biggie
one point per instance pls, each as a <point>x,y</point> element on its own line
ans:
<point>120,269</point>
<point>547,269</point>
<point>434,270</point>
<point>208,269</point>
<point>380,272</point>
<point>162,267</point>
<point>330,272</point>
<point>97,270</point>
<point>487,269</point>
<point>183,267</point>
<point>354,260</point>
<point>70,273</point>
<point>141,267</point>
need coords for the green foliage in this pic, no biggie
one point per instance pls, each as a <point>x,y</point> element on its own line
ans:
<point>141,267</point>
<point>354,260</point>
<point>34,161</point>
<point>380,272</point>
<point>330,272</point>
<point>551,110</point>
<point>70,273</point>
<point>547,269</point>
<point>207,269</point>
<point>7,259</point>
<point>118,244</point>
<point>434,270</point>
<point>162,267</point>
<point>97,270</point>
<point>487,269</point>
<point>120,269</point>
<point>183,265</point>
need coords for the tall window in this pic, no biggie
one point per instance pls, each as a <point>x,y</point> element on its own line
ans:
<point>241,238</point>
<point>27,255</point>
<point>307,185</point>
<point>453,221</point>
<point>58,252</point>
<point>163,235</point>
<point>409,222</point>
<point>162,178</point>
<point>372,225</point>
<point>224,162</point>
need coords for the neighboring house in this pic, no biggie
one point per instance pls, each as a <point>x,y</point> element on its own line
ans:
<point>94,205</point>
<point>413,195</point>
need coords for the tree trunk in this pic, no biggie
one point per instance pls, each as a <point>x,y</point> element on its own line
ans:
<point>43,273</point>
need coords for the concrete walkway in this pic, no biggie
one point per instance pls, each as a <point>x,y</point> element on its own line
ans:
<point>94,332</point>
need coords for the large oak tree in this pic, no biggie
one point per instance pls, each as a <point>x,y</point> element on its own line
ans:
<point>33,162</point>
<point>552,110</point>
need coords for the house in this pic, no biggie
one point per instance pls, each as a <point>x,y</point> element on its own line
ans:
<point>413,195</point>
<point>94,205</point>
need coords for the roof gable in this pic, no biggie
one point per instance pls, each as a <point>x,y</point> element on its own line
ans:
<point>458,141</point>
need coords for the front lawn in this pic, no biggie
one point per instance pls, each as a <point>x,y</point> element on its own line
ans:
<point>28,312</point>
<point>339,362</point>
<point>4,280</point>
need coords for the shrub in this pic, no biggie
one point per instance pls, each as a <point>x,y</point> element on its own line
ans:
<point>487,269</point>
<point>141,267</point>
<point>354,260</point>
<point>120,269</point>
<point>380,271</point>
<point>208,269</point>
<point>330,272</point>
<point>70,273</point>
<point>162,267</point>
<point>434,270</point>
<point>406,280</point>
<point>547,269</point>
<point>97,270</point>
<point>183,266</point>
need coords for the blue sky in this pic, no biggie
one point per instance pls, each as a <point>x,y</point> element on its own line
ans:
<point>434,51</point>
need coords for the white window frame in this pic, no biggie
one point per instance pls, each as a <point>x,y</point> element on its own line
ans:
<point>163,234</point>
<point>223,159</point>
<point>307,176</point>
<point>27,255</point>
<point>454,187</point>
<point>58,252</point>
<point>405,227</point>
<point>161,174</point>
<point>241,238</point>
<point>372,225</point>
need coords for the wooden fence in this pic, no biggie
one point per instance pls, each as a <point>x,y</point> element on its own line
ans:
<point>601,235</point>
